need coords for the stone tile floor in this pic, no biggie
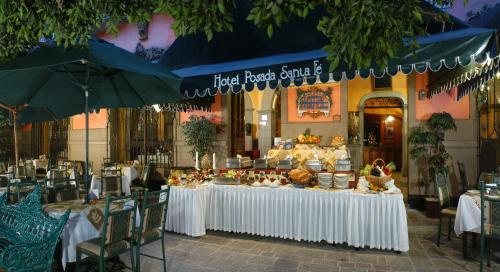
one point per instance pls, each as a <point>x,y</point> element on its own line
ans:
<point>219,251</point>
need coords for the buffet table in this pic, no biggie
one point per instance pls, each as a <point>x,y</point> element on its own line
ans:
<point>336,216</point>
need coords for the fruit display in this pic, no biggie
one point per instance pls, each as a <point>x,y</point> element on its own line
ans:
<point>376,187</point>
<point>378,171</point>
<point>174,181</point>
<point>308,138</point>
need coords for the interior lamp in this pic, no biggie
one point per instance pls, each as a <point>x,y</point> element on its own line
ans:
<point>389,119</point>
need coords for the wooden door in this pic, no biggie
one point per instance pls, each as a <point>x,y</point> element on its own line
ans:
<point>237,124</point>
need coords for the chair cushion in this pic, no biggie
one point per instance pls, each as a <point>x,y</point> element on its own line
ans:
<point>451,211</point>
<point>149,236</point>
<point>92,247</point>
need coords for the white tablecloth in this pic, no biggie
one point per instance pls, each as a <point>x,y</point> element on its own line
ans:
<point>468,214</point>
<point>77,229</point>
<point>374,220</point>
<point>186,210</point>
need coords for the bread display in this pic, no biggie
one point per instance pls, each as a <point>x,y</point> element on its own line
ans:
<point>300,176</point>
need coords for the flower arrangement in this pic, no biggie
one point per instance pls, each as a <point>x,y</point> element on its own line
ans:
<point>308,138</point>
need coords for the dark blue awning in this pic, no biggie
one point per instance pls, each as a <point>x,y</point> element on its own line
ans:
<point>246,59</point>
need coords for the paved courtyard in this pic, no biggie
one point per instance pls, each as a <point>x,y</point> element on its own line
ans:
<point>218,251</point>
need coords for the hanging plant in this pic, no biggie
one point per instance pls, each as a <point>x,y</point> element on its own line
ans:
<point>200,134</point>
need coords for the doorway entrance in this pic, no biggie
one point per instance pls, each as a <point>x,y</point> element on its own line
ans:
<point>383,123</point>
<point>386,100</point>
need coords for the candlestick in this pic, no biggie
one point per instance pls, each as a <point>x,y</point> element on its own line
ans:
<point>214,163</point>
<point>197,162</point>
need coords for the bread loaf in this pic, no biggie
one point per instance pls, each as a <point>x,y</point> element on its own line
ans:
<point>300,176</point>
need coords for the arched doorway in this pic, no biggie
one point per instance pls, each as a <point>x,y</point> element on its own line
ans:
<point>398,101</point>
<point>383,123</point>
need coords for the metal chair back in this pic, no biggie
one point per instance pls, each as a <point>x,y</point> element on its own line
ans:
<point>490,218</point>
<point>153,216</point>
<point>442,190</point>
<point>119,223</point>
<point>111,182</point>
<point>464,181</point>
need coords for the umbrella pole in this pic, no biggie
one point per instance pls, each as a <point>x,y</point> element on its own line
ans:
<point>16,148</point>
<point>86,176</point>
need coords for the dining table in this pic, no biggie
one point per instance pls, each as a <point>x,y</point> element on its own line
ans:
<point>468,218</point>
<point>84,223</point>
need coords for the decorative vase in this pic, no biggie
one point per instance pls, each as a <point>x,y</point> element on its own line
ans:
<point>206,162</point>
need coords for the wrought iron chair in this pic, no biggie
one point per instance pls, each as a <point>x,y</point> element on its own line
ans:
<point>117,234</point>
<point>490,222</point>
<point>111,182</point>
<point>108,163</point>
<point>17,191</point>
<point>464,181</point>
<point>64,190</point>
<point>443,196</point>
<point>152,226</point>
<point>20,172</point>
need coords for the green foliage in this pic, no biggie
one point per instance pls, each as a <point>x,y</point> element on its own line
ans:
<point>200,134</point>
<point>361,32</point>
<point>427,146</point>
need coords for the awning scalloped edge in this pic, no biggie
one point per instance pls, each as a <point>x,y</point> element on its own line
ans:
<point>472,79</point>
<point>406,69</point>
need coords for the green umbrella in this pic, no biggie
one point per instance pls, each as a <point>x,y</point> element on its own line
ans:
<point>57,82</point>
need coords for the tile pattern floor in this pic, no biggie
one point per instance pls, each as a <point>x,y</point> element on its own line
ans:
<point>218,251</point>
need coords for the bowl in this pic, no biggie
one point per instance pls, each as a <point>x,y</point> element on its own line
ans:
<point>341,181</point>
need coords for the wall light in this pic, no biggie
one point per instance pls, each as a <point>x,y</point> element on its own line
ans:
<point>389,119</point>
<point>157,107</point>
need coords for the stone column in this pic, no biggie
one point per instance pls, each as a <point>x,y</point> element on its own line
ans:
<point>267,130</point>
<point>404,167</point>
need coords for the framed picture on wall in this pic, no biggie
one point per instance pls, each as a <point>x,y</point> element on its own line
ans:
<point>389,132</point>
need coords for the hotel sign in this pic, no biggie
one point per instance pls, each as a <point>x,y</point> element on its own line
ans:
<point>285,72</point>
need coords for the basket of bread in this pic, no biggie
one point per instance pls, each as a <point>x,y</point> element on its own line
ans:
<point>300,178</point>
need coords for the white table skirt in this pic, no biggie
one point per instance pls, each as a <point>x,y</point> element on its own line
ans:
<point>186,210</point>
<point>468,215</point>
<point>77,229</point>
<point>378,221</point>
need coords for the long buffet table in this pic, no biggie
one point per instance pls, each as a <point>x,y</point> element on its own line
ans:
<point>336,216</point>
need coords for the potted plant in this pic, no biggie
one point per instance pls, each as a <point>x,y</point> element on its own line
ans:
<point>431,157</point>
<point>200,134</point>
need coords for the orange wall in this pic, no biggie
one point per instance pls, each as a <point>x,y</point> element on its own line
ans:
<point>96,120</point>
<point>335,108</point>
<point>215,115</point>
<point>445,101</point>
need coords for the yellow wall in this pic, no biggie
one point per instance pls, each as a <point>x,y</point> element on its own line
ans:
<point>359,87</point>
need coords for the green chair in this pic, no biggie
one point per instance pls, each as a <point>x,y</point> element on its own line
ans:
<point>443,196</point>
<point>464,181</point>
<point>64,190</point>
<point>112,184</point>
<point>152,226</point>
<point>117,232</point>
<point>490,221</point>
<point>17,191</point>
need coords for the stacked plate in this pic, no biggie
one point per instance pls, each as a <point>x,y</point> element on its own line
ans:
<point>325,180</point>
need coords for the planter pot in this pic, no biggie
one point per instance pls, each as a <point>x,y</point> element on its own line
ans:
<point>431,207</point>
<point>417,202</point>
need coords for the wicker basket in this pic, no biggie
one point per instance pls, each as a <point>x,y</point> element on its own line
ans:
<point>378,180</point>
